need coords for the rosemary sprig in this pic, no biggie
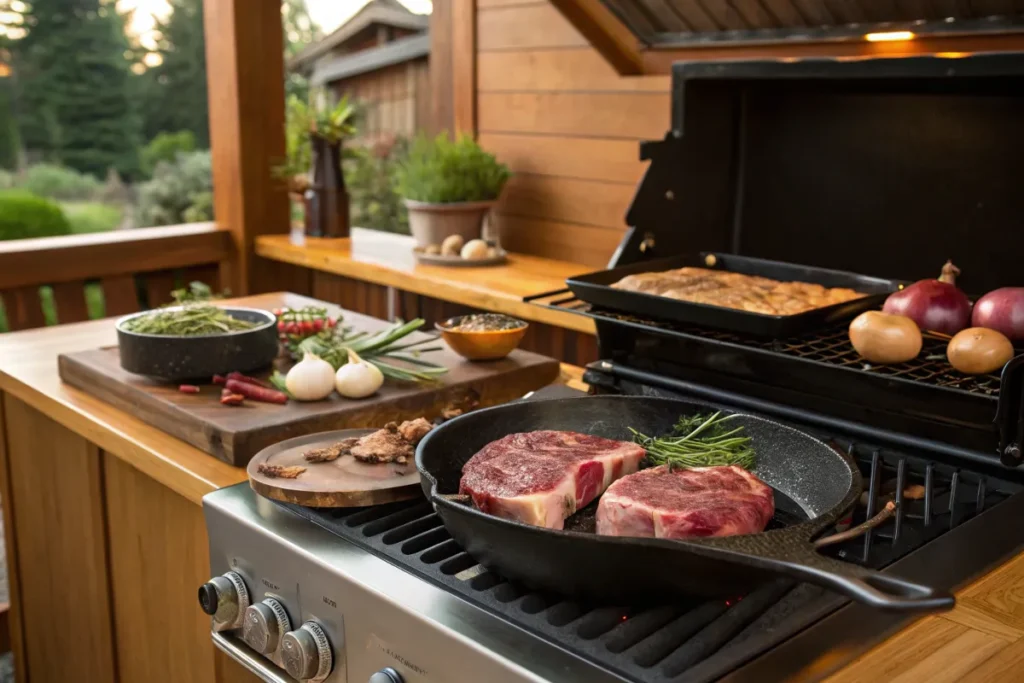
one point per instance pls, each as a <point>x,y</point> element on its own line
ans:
<point>191,320</point>
<point>699,441</point>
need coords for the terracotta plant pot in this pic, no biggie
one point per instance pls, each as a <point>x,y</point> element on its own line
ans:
<point>432,223</point>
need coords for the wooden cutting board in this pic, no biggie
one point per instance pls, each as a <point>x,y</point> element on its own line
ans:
<point>236,434</point>
<point>340,483</point>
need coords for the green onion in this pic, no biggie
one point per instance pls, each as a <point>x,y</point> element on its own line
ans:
<point>380,348</point>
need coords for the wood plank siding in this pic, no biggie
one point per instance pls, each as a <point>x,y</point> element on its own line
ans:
<point>567,124</point>
<point>394,100</point>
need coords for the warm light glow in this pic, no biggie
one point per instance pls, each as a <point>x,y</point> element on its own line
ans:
<point>952,55</point>
<point>887,36</point>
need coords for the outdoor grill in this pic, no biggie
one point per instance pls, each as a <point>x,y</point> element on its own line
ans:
<point>884,167</point>
<point>879,167</point>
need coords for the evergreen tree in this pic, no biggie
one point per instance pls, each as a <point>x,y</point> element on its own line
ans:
<point>299,31</point>
<point>174,92</point>
<point>74,84</point>
<point>8,127</point>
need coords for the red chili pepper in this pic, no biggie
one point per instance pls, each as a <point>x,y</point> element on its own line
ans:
<point>281,325</point>
<point>257,392</point>
<point>293,328</point>
<point>188,389</point>
<point>232,399</point>
<point>318,324</point>
<point>248,380</point>
<point>219,379</point>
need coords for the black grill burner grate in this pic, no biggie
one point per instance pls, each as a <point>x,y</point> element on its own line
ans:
<point>830,346</point>
<point>694,641</point>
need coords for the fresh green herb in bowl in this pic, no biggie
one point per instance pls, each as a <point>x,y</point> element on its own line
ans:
<point>699,441</point>
<point>190,320</point>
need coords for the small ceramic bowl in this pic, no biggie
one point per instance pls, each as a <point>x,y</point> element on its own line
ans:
<point>483,344</point>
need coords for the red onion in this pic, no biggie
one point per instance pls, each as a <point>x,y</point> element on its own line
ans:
<point>935,305</point>
<point>1002,310</point>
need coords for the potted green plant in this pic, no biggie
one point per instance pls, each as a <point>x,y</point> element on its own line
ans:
<point>312,169</point>
<point>448,185</point>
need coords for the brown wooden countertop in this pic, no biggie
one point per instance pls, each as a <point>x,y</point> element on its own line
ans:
<point>979,641</point>
<point>387,259</point>
<point>28,371</point>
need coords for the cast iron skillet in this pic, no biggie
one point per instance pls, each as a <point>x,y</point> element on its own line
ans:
<point>814,483</point>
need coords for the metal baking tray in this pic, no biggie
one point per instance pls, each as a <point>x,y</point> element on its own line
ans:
<point>595,289</point>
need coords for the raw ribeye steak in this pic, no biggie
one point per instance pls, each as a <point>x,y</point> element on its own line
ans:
<point>542,477</point>
<point>686,503</point>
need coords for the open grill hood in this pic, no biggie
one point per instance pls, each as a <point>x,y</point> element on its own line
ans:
<point>669,23</point>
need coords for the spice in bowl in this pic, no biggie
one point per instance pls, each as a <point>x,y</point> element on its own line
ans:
<point>483,336</point>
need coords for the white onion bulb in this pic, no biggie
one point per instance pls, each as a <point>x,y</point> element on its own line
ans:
<point>357,378</point>
<point>311,379</point>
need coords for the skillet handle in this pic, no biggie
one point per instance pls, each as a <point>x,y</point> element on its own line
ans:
<point>873,588</point>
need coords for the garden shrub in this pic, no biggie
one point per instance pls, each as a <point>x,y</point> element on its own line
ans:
<point>59,182</point>
<point>166,147</point>
<point>24,215</point>
<point>186,183</point>
<point>92,217</point>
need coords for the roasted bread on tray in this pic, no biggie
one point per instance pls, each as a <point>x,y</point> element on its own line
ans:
<point>749,293</point>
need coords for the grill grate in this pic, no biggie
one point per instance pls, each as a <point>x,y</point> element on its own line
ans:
<point>701,640</point>
<point>829,346</point>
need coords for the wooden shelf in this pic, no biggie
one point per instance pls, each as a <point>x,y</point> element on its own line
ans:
<point>387,259</point>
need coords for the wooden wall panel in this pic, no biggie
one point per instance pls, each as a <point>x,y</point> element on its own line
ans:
<point>159,555</point>
<point>525,27</point>
<point>639,116</point>
<point>352,295</point>
<point>14,621</point>
<point>587,244</point>
<point>390,99</point>
<point>578,69</point>
<point>613,161</point>
<point>56,481</point>
<point>569,126</point>
<point>588,202</point>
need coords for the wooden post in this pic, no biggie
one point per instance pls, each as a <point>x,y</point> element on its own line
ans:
<point>441,114</point>
<point>464,65</point>
<point>453,66</point>
<point>245,80</point>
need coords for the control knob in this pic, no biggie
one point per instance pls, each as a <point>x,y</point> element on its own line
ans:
<point>225,598</point>
<point>386,675</point>
<point>264,624</point>
<point>306,652</point>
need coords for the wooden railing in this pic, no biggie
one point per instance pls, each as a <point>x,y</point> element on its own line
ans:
<point>78,277</point>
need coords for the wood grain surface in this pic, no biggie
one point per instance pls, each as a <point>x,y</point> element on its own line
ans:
<point>343,482</point>
<point>388,260</point>
<point>235,434</point>
<point>55,482</point>
<point>158,557</point>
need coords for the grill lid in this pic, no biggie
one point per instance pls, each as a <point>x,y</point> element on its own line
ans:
<point>882,166</point>
<point>666,23</point>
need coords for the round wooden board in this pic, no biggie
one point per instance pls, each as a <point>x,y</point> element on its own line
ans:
<point>340,483</point>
